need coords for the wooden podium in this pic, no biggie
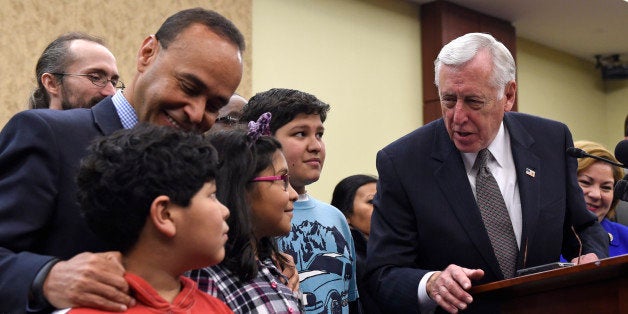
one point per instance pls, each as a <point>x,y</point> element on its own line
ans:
<point>600,287</point>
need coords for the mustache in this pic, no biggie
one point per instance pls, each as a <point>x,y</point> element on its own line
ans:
<point>65,105</point>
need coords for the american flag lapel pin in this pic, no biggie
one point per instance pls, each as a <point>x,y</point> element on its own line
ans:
<point>530,172</point>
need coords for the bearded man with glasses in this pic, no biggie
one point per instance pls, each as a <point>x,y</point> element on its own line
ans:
<point>75,70</point>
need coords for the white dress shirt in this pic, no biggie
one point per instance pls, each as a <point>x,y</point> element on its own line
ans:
<point>502,166</point>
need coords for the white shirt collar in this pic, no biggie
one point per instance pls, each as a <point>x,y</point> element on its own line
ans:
<point>303,197</point>
<point>499,148</point>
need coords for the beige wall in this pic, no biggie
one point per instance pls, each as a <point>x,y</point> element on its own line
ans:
<point>558,86</point>
<point>360,56</point>
<point>29,25</point>
<point>616,111</point>
<point>363,58</point>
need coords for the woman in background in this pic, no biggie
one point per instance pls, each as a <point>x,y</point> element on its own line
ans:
<point>353,196</point>
<point>597,180</point>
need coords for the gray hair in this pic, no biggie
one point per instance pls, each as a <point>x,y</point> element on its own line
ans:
<point>464,48</point>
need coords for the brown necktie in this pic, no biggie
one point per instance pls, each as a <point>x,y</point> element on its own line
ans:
<point>495,216</point>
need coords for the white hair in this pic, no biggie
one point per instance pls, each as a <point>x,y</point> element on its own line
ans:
<point>464,48</point>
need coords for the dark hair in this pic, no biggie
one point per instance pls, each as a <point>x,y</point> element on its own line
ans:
<point>344,192</point>
<point>284,104</point>
<point>240,162</point>
<point>55,59</point>
<point>123,174</point>
<point>178,22</point>
<point>626,126</point>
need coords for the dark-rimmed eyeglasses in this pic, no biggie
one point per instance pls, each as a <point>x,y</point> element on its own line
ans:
<point>96,79</point>
<point>284,177</point>
<point>228,120</point>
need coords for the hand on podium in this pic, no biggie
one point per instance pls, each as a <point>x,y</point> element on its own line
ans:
<point>449,287</point>
<point>586,258</point>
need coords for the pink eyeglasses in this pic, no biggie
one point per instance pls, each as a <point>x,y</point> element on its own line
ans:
<point>284,177</point>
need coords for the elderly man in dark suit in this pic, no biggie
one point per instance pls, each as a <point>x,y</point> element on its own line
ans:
<point>434,230</point>
<point>48,256</point>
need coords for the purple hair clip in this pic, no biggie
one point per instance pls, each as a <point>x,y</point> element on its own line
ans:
<point>259,128</point>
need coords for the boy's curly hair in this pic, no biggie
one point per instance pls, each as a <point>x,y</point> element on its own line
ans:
<point>123,174</point>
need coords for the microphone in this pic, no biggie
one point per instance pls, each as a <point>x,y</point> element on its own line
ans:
<point>621,152</point>
<point>579,153</point>
<point>621,189</point>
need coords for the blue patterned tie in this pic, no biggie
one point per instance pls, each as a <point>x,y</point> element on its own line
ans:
<point>495,216</point>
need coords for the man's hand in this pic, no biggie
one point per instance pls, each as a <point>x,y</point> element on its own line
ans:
<point>448,288</point>
<point>586,258</point>
<point>291,272</point>
<point>92,280</point>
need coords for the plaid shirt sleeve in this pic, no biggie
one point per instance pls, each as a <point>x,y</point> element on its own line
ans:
<point>266,293</point>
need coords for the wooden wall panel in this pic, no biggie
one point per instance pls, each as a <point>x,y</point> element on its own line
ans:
<point>441,22</point>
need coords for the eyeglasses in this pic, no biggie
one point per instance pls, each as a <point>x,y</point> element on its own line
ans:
<point>228,120</point>
<point>284,177</point>
<point>96,79</point>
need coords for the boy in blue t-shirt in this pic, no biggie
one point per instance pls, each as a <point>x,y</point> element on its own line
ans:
<point>320,240</point>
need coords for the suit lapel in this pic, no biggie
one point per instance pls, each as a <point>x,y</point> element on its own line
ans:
<point>106,117</point>
<point>452,178</point>
<point>529,172</point>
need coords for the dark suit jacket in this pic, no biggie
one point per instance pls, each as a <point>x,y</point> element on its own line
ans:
<point>426,217</point>
<point>40,152</point>
<point>366,304</point>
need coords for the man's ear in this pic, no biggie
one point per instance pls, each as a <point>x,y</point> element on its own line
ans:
<point>510,92</point>
<point>148,52</point>
<point>51,84</point>
<point>161,216</point>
